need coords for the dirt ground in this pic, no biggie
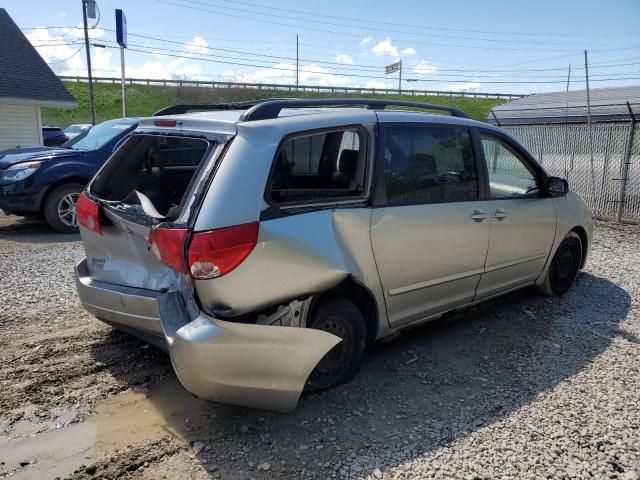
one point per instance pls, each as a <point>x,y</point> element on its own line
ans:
<point>520,387</point>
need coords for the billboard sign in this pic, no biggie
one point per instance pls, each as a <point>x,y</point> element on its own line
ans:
<point>394,67</point>
<point>121,28</point>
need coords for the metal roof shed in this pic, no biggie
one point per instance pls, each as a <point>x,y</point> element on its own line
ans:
<point>607,105</point>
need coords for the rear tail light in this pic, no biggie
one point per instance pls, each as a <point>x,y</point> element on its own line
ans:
<point>214,253</point>
<point>87,213</point>
<point>168,245</point>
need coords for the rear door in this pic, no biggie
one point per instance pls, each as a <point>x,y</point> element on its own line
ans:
<point>523,217</point>
<point>151,179</point>
<point>430,227</point>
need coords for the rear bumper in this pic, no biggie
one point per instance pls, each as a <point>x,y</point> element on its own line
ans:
<point>260,366</point>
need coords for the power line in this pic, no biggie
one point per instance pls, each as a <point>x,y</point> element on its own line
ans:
<point>68,58</point>
<point>188,5</point>
<point>386,30</point>
<point>423,27</point>
<point>341,66</point>
<point>363,76</point>
<point>370,68</point>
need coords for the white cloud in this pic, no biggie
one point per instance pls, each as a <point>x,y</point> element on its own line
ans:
<point>58,51</point>
<point>366,40</point>
<point>344,58</point>
<point>463,87</point>
<point>376,84</point>
<point>198,45</point>
<point>385,47</point>
<point>408,51</point>
<point>62,14</point>
<point>285,73</point>
<point>425,68</point>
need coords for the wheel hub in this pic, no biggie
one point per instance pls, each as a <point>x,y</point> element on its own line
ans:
<point>67,209</point>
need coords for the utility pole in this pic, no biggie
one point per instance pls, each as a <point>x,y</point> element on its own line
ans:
<point>593,178</point>
<point>400,78</point>
<point>568,77</point>
<point>86,46</point>
<point>297,64</point>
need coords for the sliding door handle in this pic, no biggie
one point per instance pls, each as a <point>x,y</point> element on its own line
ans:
<point>478,215</point>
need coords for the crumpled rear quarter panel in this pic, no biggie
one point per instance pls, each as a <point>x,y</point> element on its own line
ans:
<point>296,256</point>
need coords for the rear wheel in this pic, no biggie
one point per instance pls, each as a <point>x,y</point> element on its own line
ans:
<point>564,266</point>
<point>340,317</point>
<point>60,207</point>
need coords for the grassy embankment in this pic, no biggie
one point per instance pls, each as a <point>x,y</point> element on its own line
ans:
<point>143,100</point>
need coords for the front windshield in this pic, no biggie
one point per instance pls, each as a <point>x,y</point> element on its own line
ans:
<point>99,135</point>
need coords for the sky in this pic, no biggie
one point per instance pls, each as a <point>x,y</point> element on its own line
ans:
<point>464,45</point>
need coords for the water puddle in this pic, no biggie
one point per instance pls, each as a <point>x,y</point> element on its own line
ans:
<point>130,417</point>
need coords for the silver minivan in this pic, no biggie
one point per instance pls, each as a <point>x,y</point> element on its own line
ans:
<point>264,245</point>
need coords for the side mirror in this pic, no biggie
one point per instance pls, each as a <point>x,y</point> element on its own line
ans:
<point>557,187</point>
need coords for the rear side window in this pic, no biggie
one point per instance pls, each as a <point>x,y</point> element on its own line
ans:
<point>319,166</point>
<point>428,164</point>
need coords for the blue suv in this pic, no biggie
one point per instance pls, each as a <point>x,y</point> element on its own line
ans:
<point>47,181</point>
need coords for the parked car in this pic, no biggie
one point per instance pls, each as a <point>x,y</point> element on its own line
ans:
<point>47,181</point>
<point>264,245</point>
<point>53,136</point>
<point>72,131</point>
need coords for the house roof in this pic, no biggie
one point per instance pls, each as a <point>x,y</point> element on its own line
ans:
<point>607,105</point>
<point>24,75</point>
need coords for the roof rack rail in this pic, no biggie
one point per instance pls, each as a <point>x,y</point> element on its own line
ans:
<point>270,107</point>
<point>190,107</point>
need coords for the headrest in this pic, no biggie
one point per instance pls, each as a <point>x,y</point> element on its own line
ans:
<point>348,163</point>
<point>423,160</point>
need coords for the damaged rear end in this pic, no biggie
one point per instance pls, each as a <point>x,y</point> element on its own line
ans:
<point>145,258</point>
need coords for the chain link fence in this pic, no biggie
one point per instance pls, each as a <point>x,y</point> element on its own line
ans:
<point>611,188</point>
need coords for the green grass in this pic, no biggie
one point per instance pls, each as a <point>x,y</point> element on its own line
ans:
<point>143,100</point>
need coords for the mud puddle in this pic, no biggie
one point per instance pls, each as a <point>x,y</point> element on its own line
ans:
<point>125,419</point>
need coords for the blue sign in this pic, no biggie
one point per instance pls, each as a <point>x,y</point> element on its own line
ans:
<point>121,28</point>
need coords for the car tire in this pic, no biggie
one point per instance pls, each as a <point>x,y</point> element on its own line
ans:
<point>564,266</point>
<point>340,317</point>
<point>58,212</point>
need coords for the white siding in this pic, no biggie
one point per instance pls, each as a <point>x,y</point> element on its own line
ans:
<point>19,125</point>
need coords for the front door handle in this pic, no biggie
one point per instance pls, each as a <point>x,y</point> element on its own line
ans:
<point>500,214</point>
<point>478,215</point>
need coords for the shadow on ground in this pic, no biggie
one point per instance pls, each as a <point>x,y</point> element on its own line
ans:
<point>31,230</point>
<point>451,377</point>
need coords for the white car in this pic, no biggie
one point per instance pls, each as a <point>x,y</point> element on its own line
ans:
<point>72,131</point>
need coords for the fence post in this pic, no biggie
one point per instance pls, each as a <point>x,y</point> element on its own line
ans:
<point>624,168</point>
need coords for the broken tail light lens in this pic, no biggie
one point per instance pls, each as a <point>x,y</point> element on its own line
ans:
<point>87,212</point>
<point>168,245</point>
<point>214,253</point>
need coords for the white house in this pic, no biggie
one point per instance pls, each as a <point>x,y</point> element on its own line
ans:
<point>26,85</point>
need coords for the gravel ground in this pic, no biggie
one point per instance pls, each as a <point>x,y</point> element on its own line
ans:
<point>520,387</point>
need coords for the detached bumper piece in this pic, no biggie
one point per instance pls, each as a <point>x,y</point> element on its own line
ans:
<point>259,366</point>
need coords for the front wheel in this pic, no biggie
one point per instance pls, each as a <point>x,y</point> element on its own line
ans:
<point>564,267</point>
<point>60,207</point>
<point>342,318</point>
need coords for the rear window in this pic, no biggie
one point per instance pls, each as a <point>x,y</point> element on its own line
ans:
<point>154,167</point>
<point>319,167</point>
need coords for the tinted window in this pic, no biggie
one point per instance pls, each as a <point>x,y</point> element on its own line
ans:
<point>428,164</point>
<point>320,166</point>
<point>509,175</point>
